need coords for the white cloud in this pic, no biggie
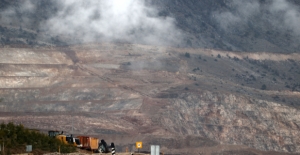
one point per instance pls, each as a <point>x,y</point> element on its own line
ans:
<point>283,14</point>
<point>227,19</point>
<point>12,14</point>
<point>111,20</point>
<point>240,12</point>
<point>288,15</point>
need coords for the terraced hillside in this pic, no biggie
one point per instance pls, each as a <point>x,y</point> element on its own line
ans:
<point>186,100</point>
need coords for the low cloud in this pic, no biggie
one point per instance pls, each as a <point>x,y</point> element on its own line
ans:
<point>14,15</point>
<point>112,20</point>
<point>281,14</point>
<point>240,12</point>
<point>80,21</point>
<point>287,15</point>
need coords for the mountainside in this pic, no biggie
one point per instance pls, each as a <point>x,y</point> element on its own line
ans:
<point>186,100</point>
<point>232,25</point>
<point>205,77</point>
<point>248,26</point>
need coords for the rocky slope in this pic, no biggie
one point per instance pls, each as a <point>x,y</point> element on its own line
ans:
<point>186,100</point>
<point>258,25</point>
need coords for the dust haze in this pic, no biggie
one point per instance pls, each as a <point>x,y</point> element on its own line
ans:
<point>281,14</point>
<point>114,20</point>
<point>13,15</point>
<point>131,21</point>
<point>288,15</point>
<point>242,10</point>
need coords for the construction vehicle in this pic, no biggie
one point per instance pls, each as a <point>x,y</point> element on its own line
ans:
<point>89,143</point>
<point>67,139</point>
<point>84,142</point>
<point>104,148</point>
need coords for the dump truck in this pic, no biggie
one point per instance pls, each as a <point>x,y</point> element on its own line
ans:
<point>89,143</point>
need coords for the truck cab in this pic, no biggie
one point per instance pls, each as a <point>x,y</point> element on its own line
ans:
<point>67,139</point>
<point>73,140</point>
<point>53,133</point>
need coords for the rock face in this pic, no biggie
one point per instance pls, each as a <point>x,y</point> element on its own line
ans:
<point>232,119</point>
<point>186,100</point>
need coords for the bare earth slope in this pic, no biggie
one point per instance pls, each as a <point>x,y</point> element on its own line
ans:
<point>186,100</point>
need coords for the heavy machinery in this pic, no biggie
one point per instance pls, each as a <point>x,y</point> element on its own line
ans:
<point>104,148</point>
<point>89,143</point>
<point>84,142</point>
<point>67,139</point>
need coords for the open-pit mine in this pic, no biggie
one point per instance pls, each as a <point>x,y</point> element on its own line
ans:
<point>185,100</point>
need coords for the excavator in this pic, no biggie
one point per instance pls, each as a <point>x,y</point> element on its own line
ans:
<point>67,139</point>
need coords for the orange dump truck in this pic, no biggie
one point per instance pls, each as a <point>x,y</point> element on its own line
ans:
<point>89,143</point>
